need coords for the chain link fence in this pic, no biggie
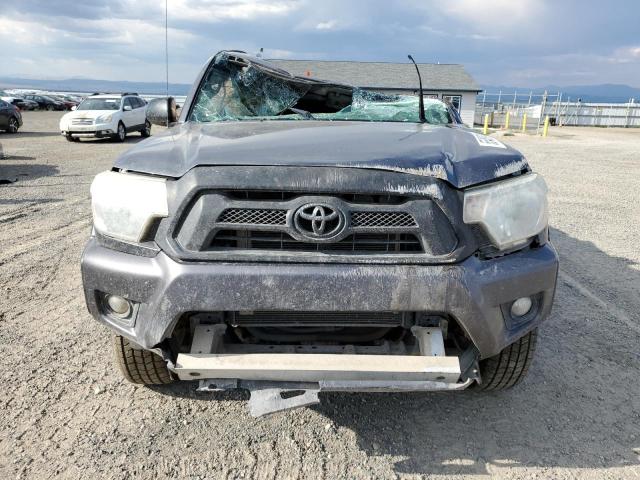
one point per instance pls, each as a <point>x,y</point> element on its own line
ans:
<point>509,110</point>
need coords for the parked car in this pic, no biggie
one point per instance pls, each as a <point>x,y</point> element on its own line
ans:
<point>107,115</point>
<point>66,101</point>
<point>289,235</point>
<point>74,98</point>
<point>45,102</point>
<point>10,117</point>
<point>24,104</point>
<point>17,101</point>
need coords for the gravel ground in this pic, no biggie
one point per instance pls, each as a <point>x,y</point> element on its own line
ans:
<point>67,413</point>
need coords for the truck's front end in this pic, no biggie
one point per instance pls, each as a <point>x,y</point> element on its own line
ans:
<point>322,246</point>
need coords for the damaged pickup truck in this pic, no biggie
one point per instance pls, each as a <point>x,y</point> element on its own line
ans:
<point>289,235</point>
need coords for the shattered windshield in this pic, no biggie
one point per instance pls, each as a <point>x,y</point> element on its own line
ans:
<point>231,93</point>
<point>377,107</point>
<point>235,89</point>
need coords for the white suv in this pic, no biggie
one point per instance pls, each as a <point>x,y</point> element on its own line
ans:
<point>111,116</point>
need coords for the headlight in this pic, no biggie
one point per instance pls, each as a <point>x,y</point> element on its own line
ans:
<point>105,118</point>
<point>124,204</point>
<point>510,211</point>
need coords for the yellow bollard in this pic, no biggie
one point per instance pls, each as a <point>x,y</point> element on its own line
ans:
<point>545,129</point>
<point>506,121</point>
<point>485,129</point>
<point>524,123</point>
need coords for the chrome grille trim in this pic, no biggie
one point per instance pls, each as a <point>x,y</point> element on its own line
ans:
<point>82,121</point>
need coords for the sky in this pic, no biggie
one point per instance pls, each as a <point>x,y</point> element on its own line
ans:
<point>528,43</point>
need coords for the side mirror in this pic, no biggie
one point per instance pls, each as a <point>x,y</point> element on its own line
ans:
<point>162,111</point>
<point>127,108</point>
<point>74,107</point>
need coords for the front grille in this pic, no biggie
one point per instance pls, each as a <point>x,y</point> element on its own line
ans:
<point>288,318</point>
<point>275,217</point>
<point>355,243</point>
<point>253,216</point>
<point>382,219</point>
<point>82,121</point>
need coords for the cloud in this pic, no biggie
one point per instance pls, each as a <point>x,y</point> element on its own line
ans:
<point>328,25</point>
<point>213,11</point>
<point>626,55</point>
<point>462,34</point>
<point>503,40</point>
<point>497,14</point>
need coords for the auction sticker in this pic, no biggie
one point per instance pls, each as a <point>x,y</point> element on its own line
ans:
<point>485,141</point>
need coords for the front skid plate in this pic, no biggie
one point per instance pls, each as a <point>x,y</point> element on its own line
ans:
<point>271,397</point>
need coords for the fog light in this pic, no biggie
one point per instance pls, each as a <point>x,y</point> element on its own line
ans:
<point>118,305</point>
<point>521,307</point>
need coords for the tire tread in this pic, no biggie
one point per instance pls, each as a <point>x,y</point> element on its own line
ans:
<point>140,366</point>
<point>510,366</point>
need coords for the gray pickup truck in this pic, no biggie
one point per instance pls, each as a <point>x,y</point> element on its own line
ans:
<point>289,235</point>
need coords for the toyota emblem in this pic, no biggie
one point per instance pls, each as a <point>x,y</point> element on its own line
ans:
<point>318,221</point>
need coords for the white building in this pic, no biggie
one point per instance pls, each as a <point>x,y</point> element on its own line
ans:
<point>444,81</point>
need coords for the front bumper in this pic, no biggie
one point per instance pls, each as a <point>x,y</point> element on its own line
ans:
<point>97,130</point>
<point>475,292</point>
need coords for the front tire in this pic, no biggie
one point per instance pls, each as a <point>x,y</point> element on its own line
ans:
<point>71,138</point>
<point>121,133</point>
<point>510,366</point>
<point>146,131</point>
<point>140,366</point>
<point>13,125</point>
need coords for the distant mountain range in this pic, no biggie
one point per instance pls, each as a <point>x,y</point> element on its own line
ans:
<point>604,93</point>
<point>89,85</point>
<point>588,93</point>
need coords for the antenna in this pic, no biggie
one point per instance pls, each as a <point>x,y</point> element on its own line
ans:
<point>422,116</point>
<point>166,41</point>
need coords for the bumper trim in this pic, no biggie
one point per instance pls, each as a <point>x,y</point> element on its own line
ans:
<point>283,367</point>
<point>99,133</point>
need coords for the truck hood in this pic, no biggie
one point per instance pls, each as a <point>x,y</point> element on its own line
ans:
<point>451,153</point>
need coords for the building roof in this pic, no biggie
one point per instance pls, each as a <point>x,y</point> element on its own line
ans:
<point>384,75</point>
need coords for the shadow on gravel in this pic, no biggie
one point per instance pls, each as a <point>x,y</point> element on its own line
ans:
<point>12,173</point>
<point>188,390</point>
<point>578,408</point>
<point>129,140</point>
<point>22,133</point>
<point>19,157</point>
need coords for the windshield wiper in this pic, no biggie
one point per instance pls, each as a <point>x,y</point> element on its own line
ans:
<point>304,113</point>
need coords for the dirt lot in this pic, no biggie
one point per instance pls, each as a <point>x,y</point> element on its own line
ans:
<point>66,412</point>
